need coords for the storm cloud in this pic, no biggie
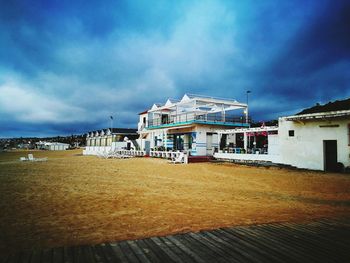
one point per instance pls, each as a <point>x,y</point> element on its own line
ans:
<point>65,67</point>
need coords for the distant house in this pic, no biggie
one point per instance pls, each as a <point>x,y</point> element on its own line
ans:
<point>105,140</point>
<point>52,146</point>
<point>317,138</point>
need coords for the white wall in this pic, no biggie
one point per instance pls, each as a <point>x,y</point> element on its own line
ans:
<point>58,147</point>
<point>273,144</point>
<point>140,124</point>
<point>118,145</point>
<point>305,149</point>
<point>248,157</point>
<point>201,139</point>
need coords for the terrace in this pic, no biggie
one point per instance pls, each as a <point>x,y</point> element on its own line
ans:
<point>195,109</point>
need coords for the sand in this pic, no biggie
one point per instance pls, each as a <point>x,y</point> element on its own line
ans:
<point>73,199</point>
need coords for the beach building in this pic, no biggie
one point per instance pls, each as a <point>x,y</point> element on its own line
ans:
<point>106,140</point>
<point>317,138</point>
<point>52,146</point>
<point>190,124</point>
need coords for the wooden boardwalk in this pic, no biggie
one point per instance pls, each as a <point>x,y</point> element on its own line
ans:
<point>320,241</point>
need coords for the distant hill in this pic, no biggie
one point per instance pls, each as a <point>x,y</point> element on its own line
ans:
<point>330,106</point>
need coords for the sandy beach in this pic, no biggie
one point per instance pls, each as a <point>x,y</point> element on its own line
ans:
<point>73,199</point>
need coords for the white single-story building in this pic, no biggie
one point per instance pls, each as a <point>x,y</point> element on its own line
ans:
<point>106,140</point>
<point>317,138</point>
<point>52,146</point>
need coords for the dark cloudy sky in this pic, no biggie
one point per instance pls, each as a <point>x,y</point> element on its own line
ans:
<point>66,66</point>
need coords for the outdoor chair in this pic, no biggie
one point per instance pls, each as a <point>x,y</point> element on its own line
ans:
<point>32,159</point>
<point>181,158</point>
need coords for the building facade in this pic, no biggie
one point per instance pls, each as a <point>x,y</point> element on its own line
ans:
<point>318,141</point>
<point>317,138</point>
<point>189,124</point>
<point>110,139</point>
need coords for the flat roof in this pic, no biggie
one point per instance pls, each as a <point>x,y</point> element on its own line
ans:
<point>319,116</point>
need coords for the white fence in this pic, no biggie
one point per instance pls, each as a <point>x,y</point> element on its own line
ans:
<point>164,154</point>
<point>248,157</point>
<point>101,150</point>
<point>131,153</point>
<point>170,155</point>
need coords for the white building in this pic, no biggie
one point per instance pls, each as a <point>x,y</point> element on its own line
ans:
<point>318,139</point>
<point>315,141</point>
<point>52,146</point>
<point>106,140</point>
<point>189,124</point>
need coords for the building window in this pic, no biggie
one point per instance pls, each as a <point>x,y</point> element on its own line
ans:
<point>144,120</point>
<point>291,133</point>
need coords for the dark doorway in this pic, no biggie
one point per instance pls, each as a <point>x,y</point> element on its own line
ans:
<point>330,155</point>
<point>165,119</point>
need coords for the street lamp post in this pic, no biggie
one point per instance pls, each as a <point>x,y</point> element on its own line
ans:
<point>248,91</point>
<point>111,117</point>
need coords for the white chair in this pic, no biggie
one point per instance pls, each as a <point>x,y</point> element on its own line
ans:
<point>181,158</point>
<point>32,159</point>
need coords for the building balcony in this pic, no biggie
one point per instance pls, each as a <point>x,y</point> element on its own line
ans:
<point>190,118</point>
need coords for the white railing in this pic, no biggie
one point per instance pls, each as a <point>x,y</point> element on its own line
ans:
<point>248,157</point>
<point>96,150</point>
<point>170,155</point>
<point>164,154</point>
<point>131,153</point>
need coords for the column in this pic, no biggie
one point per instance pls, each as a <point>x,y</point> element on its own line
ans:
<point>219,141</point>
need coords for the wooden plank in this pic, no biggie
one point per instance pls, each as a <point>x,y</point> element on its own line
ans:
<point>138,252</point>
<point>68,254</point>
<point>57,255</point>
<point>293,239</point>
<point>23,256</point>
<point>266,256</point>
<point>286,236</point>
<point>176,241</point>
<point>87,254</point>
<point>315,236</point>
<point>158,250</point>
<point>46,256</point>
<point>13,258</point>
<point>210,247</point>
<point>340,233</point>
<point>107,253</point>
<point>148,251</point>
<point>98,254</point>
<point>78,254</point>
<point>166,248</point>
<point>129,254</point>
<point>312,241</point>
<point>234,252</point>
<point>268,245</point>
<point>183,256</point>
<point>118,252</point>
<point>335,222</point>
<point>248,253</point>
<point>5,258</point>
<point>281,247</point>
<point>198,248</point>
